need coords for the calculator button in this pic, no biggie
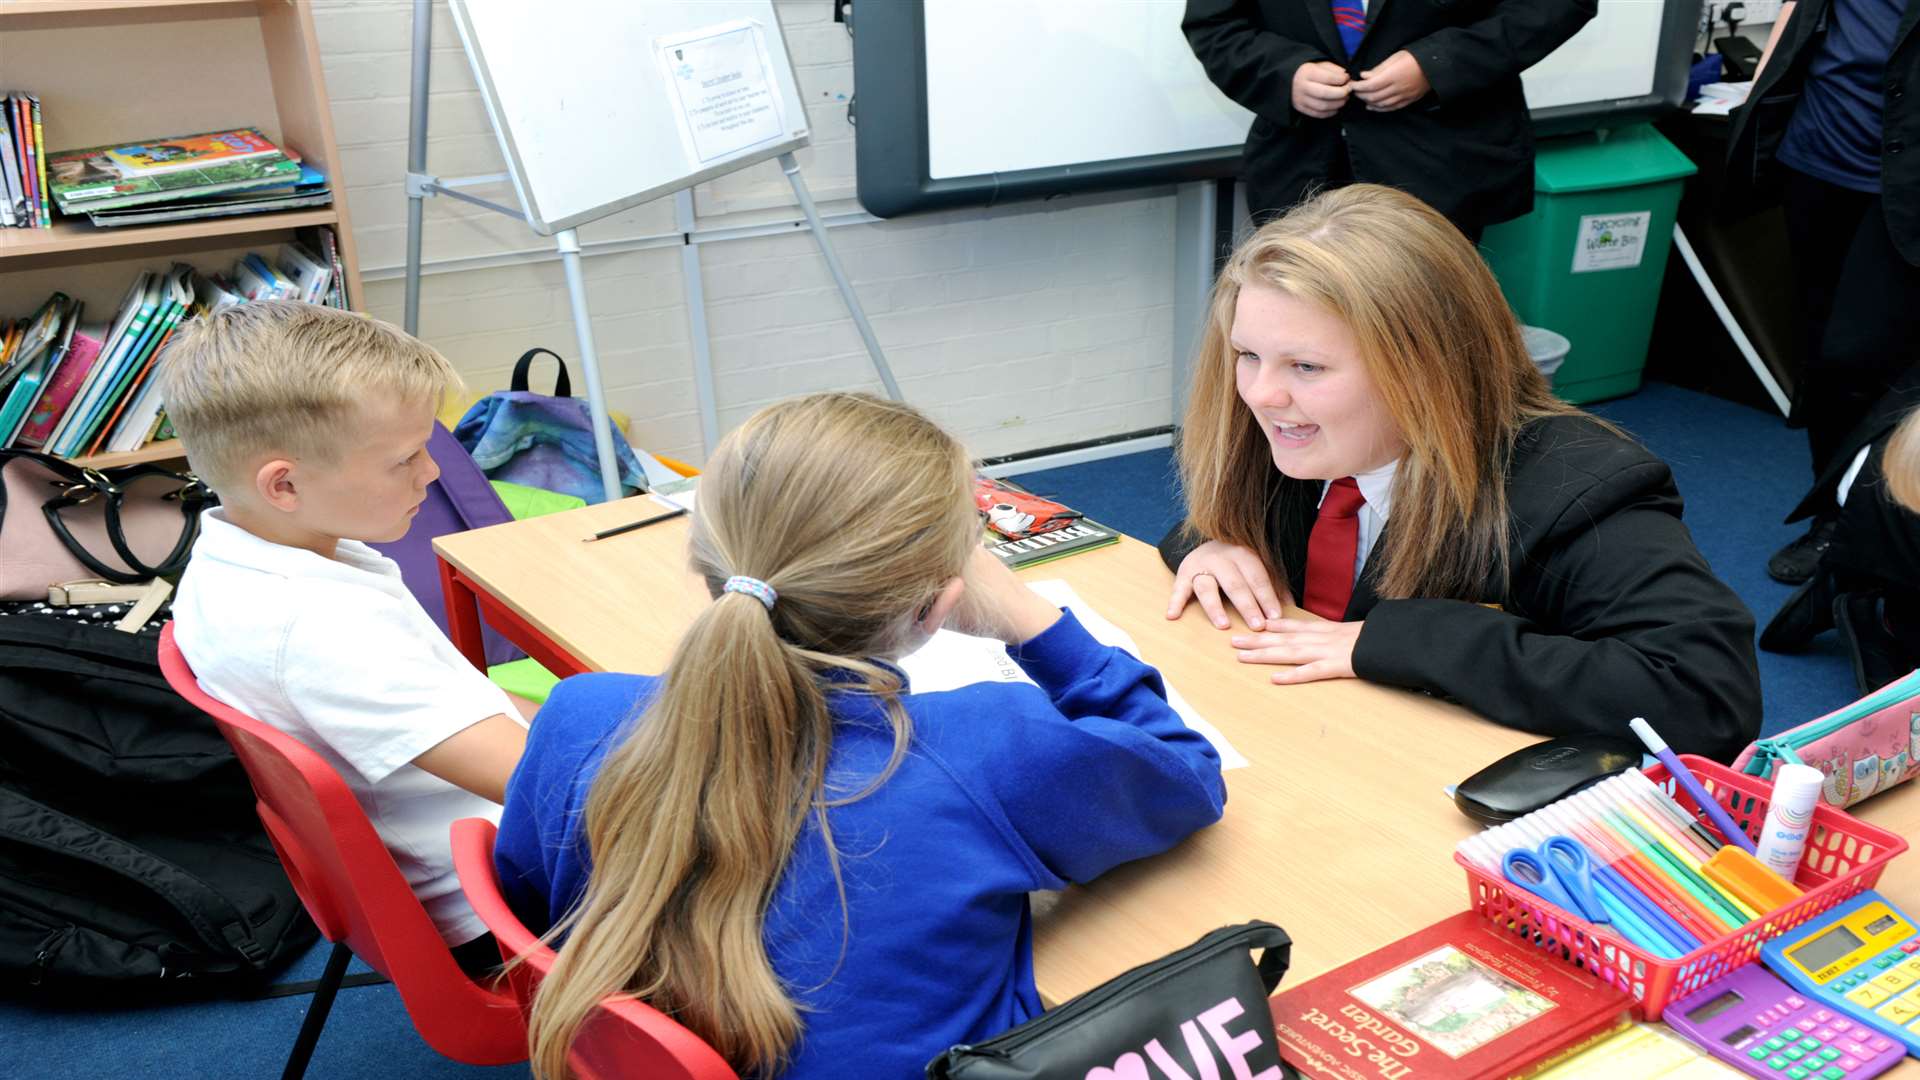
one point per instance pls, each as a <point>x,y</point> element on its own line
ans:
<point>1884,962</point>
<point>1809,1043</point>
<point>1793,1053</point>
<point>1880,1045</point>
<point>1847,1063</point>
<point>1911,946</point>
<point>1843,1024</point>
<point>1860,1050</point>
<point>1901,1009</point>
<point>1821,1016</point>
<point>1833,1073</point>
<point>1895,981</point>
<point>1798,1073</point>
<point>1865,996</point>
<point>1912,966</point>
<point>1791,1034</point>
<point>1796,1001</point>
<point>1829,1053</point>
<point>1777,1062</point>
<point>1774,1043</point>
<point>1757,1053</point>
<point>1826,1034</point>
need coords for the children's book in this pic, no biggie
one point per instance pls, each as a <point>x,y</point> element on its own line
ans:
<point>310,276</point>
<point>1458,1000</point>
<point>170,304</point>
<point>32,386</point>
<point>130,322</point>
<point>188,152</point>
<point>23,149</point>
<point>1024,529</point>
<point>62,387</point>
<point>1072,538</point>
<point>12,200</point>
<point>40,160</point>
<point>311,190</point>
<point>87,179</point>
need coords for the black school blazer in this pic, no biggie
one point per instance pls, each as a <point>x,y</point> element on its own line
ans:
<point>1752,180</point>
<point>1466,148</point>
<point>1610,612</point>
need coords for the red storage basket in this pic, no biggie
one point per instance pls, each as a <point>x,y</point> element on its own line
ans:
<point>1844,858</point>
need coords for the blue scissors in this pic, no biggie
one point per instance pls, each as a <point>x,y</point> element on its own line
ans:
<point>1559,872</point>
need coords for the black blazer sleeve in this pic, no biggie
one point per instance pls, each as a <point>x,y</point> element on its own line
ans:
<point>1610,614</point>
<point>1249,63</point>
<point>1512,36</point>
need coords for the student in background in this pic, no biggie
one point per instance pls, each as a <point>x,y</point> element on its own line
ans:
<point>1423,95</point>
<point>1866,581</point>
<point>311,424</point>
<point>1828,131</point>
<point>819,874</point>
<point>1367,434</point>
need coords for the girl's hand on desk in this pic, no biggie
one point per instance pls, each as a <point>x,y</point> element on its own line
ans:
<point>1215,568</point>
<point>1323,650</point>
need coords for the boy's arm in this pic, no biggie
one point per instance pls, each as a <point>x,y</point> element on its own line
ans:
<point>478,758</point>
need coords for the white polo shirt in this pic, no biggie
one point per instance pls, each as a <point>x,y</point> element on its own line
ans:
<point>338,654</point>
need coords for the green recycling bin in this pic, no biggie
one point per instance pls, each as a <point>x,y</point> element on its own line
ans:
<point>1587,262</point>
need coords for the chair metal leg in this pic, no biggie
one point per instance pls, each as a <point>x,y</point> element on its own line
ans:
<point>317,1012</point>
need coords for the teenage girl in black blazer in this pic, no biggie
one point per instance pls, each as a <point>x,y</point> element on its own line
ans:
<point>1528,561</point>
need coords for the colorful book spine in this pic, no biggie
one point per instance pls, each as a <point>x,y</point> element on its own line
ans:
<point>60,392</point>
<point>40,162</point>
<point>23,146</point>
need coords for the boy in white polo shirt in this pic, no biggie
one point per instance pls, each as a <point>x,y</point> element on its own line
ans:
<point>311,424</point>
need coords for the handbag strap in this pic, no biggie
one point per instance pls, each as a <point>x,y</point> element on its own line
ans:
<point>562,385</point>
<point>88,484</point>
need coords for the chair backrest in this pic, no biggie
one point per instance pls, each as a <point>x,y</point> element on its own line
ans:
<point>623,1037</point>
<point>350,885</point>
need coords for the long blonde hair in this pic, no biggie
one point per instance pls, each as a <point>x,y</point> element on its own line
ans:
<point>856,512</point>
<point>1443,350</point>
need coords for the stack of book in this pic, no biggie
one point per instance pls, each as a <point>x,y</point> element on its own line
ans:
<point>214,174</point>
<point>24,203</point>
<point>77,389</point>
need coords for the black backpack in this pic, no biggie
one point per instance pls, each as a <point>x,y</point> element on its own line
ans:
<point>130,854</point>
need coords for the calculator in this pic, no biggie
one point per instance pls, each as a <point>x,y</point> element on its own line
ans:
<point>1761,1026</point>
<point>1859,960</point>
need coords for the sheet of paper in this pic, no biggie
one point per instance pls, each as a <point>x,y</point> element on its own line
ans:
<point>952,659</point>
<point>723,85</point>
<point>1720,99</point>
<point>676,494</point>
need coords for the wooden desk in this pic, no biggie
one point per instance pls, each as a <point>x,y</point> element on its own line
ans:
<point>1338,831</point>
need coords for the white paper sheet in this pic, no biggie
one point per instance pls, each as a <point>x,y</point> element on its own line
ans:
<point>724,87</point>
<point>952,659</point>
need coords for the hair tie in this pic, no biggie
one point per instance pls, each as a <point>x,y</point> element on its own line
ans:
<point>753,587</point>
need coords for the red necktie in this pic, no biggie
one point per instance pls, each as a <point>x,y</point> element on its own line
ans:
<point>1331,550</point>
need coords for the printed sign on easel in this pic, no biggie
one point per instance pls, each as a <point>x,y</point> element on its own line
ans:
<point>723,84</point>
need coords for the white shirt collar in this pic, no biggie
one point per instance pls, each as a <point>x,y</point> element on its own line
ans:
<point>1375,486</point>
<point>221,539</point>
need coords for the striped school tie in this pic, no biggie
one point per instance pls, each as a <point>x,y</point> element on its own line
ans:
<point>1351,17</point>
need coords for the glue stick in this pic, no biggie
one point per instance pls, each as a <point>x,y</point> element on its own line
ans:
<point>1789,818</point>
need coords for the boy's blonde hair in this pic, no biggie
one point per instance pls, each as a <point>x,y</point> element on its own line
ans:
<point>281,376</point>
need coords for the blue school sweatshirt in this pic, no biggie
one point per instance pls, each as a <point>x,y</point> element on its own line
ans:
<point>1007,788</point>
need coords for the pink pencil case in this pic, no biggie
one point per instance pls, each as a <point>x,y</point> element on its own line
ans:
<point>1862,749</point>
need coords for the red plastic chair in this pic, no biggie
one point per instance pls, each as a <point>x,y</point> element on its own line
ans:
<point>623,1037</point>
<point>355,893</point>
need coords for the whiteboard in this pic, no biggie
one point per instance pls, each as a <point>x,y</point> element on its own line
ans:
<point>604,104</point>
<point>970,102</point>
<point>1109,87</point>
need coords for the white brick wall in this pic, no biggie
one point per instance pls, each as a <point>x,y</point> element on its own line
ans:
<point>1020,327</point>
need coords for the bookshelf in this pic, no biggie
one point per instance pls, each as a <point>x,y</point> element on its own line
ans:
<point>108,70</point>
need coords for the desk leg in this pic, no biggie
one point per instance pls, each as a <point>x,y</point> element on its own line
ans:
<point>463,616</point>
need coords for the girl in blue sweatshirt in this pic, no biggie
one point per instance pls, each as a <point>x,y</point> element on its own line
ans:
<point>816,870</point>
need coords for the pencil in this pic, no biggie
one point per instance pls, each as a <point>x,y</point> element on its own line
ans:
<point>632,525</point>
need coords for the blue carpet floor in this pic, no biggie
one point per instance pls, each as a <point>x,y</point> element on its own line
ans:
<point>1739,469</point>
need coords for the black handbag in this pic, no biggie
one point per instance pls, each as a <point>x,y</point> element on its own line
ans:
<point>63,522</point>
<point>1207,1002</point>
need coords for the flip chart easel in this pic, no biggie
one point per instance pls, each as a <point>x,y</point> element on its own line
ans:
<point>601,105</point>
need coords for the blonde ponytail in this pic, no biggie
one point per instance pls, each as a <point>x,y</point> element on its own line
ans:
<point>855,512</point>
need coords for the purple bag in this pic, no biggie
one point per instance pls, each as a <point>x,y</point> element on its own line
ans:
<point>543,440</point>
<point>461,499</point>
